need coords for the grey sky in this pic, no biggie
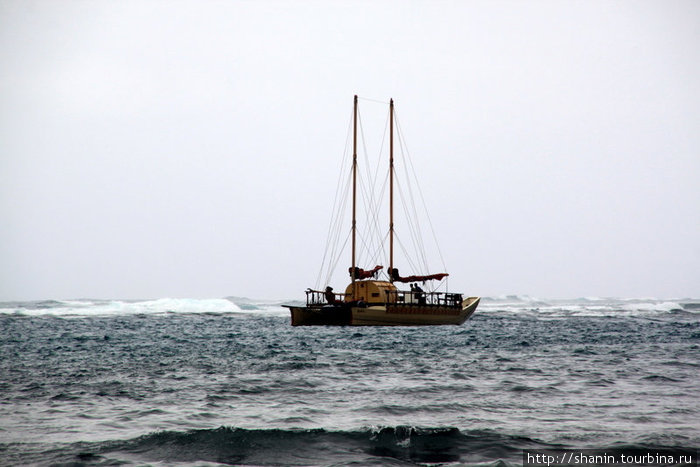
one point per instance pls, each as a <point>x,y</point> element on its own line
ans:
<point>190,149</point>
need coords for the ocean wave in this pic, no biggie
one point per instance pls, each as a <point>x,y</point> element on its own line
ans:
<point>399,445</point>
<point>521,305</point>
<point>270,307</point>
<point>590,306</point>
<point>67,308</point>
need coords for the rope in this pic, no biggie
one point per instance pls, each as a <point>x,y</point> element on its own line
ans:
<point>334,241</point>
<point>336,214</point>
<point>371,232</point>
<point>420,192</point>
<point>367,198</point>
<point>376,101</point>
<point>372,190</point>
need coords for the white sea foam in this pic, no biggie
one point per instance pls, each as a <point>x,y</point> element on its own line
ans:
<point>590,306</point>
<point>545,308</point>
<point>120,307</point>
<point>261,306</point>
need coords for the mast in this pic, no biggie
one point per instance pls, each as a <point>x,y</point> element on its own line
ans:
<point>354,194</point>
<point>391,189</point>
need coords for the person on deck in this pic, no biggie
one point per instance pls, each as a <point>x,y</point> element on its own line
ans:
<point>419,295</point>
<point>330,296</point>
<point>327,294</point>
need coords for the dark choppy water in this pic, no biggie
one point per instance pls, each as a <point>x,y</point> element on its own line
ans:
<point>194,382</point>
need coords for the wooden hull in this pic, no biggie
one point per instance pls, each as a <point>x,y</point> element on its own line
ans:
<point>383,314</point>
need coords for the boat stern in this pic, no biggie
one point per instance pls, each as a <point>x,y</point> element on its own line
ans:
<point>320,316</point>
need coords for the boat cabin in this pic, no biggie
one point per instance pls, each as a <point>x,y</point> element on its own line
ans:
<point>372,292</point>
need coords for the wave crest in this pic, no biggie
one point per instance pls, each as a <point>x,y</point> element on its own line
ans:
<point>319,446</point>
<point>397,445</point>
<point>64,308</point>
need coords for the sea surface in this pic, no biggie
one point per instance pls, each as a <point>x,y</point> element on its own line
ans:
<point>230,382</point>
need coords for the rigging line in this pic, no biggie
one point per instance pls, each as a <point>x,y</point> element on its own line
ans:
<point>369,206</point>
<point>372,251</point>
<point>341,206</point>
<point>334,213</point>
<point>372,243</point>
<point>376,202</point>
<point>414,232</point>
<point>372,100</point>
<point>332,248</point>
<point>379,159</point>
<point>373,232</point>
<point>422,197</point>
<point>335,264</point>
<point>339,221</point>
<point>333,261</point>
<point>368,190</point>
<point>420,192</point>
<point>341,215</point>
<point>382,191</point>
<point>338,224</point>
<point>382,243</point>
<point>373,227</point>
<point>363,251</point>
<point>420,245</point>
<point>368,237</point>
<point>338,189</point>
<point>378,253</point>
<point>381,146</point>
<point>413,227</point>
<point>412,219</point>
<point>362,135</point>
<point>372,240</point>
<point>369,230</point>
<point>363,188</point>
<point>410,262</point>
<point>339,229</point>
<point>443,281</point>
<point>373,177</point>
<point>336,258</point>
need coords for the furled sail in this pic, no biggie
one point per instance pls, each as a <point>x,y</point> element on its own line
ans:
<point>396,277</point>
<point>362,274</point>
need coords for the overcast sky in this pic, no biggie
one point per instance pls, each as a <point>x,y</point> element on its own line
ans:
<point>190,148</point>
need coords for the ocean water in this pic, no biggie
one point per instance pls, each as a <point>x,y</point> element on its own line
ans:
<point>230,382</point>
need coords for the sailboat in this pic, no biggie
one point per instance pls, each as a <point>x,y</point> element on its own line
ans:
<point>369,301</point>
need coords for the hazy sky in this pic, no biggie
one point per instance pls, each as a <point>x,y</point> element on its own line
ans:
<point>190,148</point>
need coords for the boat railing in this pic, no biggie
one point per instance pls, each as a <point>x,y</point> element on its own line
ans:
<point>316,298</point>
<point>426,298</point>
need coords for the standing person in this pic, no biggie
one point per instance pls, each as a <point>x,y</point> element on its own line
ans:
<point>419,295</point>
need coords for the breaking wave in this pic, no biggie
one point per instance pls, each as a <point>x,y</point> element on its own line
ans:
<point>587,306</point>
<point>508,304</point>
<point>400,445</point>
<point>67,308</point>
